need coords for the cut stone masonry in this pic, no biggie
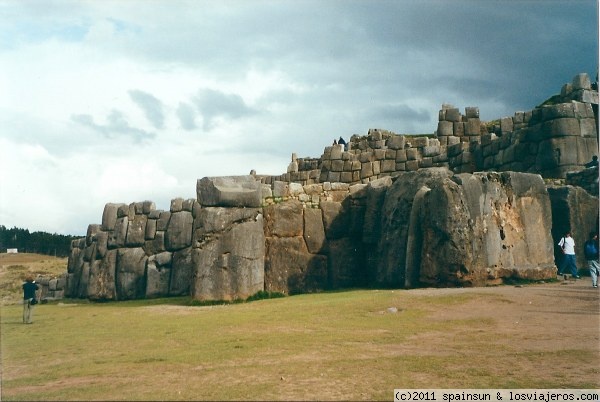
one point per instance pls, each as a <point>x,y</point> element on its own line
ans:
<point>466,206</point>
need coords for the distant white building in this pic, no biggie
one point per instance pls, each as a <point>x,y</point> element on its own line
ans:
<point>12,251</point>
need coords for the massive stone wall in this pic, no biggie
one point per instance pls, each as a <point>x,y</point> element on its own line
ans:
<point>430,227</point>
<point>386,210</point>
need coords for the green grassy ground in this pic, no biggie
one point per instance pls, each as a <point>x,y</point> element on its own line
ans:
<point>344,345</point>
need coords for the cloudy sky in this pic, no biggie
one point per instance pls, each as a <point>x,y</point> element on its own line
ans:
<point>122,101</point>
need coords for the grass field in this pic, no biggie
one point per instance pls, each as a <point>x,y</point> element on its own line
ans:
<point>328,346</point>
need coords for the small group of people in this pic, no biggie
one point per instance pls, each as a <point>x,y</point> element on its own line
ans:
<point>341,141</point>
<point>590,249</point>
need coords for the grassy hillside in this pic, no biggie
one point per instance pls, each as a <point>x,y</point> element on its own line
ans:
<point>15,267</point>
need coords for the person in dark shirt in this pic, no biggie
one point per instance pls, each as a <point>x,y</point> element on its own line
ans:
<point>593,162</point>
<point>29,293</point>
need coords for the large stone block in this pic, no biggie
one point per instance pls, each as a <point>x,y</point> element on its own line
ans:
<point>158,275</point>
<point>396,142</point>
<point>376,191</point>
<point>117,237</point>
<point>290,268</point>
<point>101,244</point>
<point>157,280</point>
<point>229,191</point>
<point>557,155</point>
<point>83,281</point>
<point>109,216</point>
<point>131,269</point>
<point>92,231</point>
<point>181,272</point>
<point>562,127</point>
<point>314,231</point>
<point>101,284</point>
<point>136,231</point>
<point>336,219</point>
<point>74,270</point>
<point>229,254</point>
<point>390,257</point>
<point>561,110</point>
<point>163,221</point>
<point>588,128</point>
<point>581,81</point>
<point>453,114</point>
<point>179,232</point>
<point>473,127</point>
<point>480,229</point>
<point>347,266</point>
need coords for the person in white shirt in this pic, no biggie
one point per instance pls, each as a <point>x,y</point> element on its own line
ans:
<point>567,245</point>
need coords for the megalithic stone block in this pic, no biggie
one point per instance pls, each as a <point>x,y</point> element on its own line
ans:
<point>109,216</point>
<point>229,191</point>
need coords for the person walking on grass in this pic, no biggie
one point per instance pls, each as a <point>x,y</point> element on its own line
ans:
<point>591,255</point>
<point>29,299</point>
<point>567,245</point>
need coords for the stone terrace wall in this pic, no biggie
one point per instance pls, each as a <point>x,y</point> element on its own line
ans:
<point>550,140</point>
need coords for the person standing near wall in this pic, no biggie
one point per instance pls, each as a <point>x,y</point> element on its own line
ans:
<point>591,255</point>
<point>29,299</point>
<point>567,245</point>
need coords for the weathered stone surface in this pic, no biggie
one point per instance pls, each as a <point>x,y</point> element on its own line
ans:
<point>396,142</point>
<point>150,229</point>
<point>92,231</point>
<point>181,272</point>
<point>336,219</point>
<point>576,210</point>
<point>376,191</point>
<point>176,205</point>
<point>158,275</point>
<point>74,270</point>
<point>157,280</point>
<point>346,263</point>
<point>131,268</point>
<point>453,114</point>
<point>229,254</point>
<point>156,245</point>
<point>136,231</point>
<point>314,231</point>
<point>395,215</point>
<point>101,244</point>
<point>116,238</point>
<point>109,216</point>
<point>83,281</point>
<point>284,219</point>
<point>290,268</point>
<point>581,81</point>
<point>101,284</point>
<point>556,156</point>
<point>561,127</point>
<point>480,229</point>
<point>230,191</point>
<point>163,221</point>
<point>179,232</point>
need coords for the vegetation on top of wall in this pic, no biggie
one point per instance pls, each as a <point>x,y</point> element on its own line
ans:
<point>553,100</point>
